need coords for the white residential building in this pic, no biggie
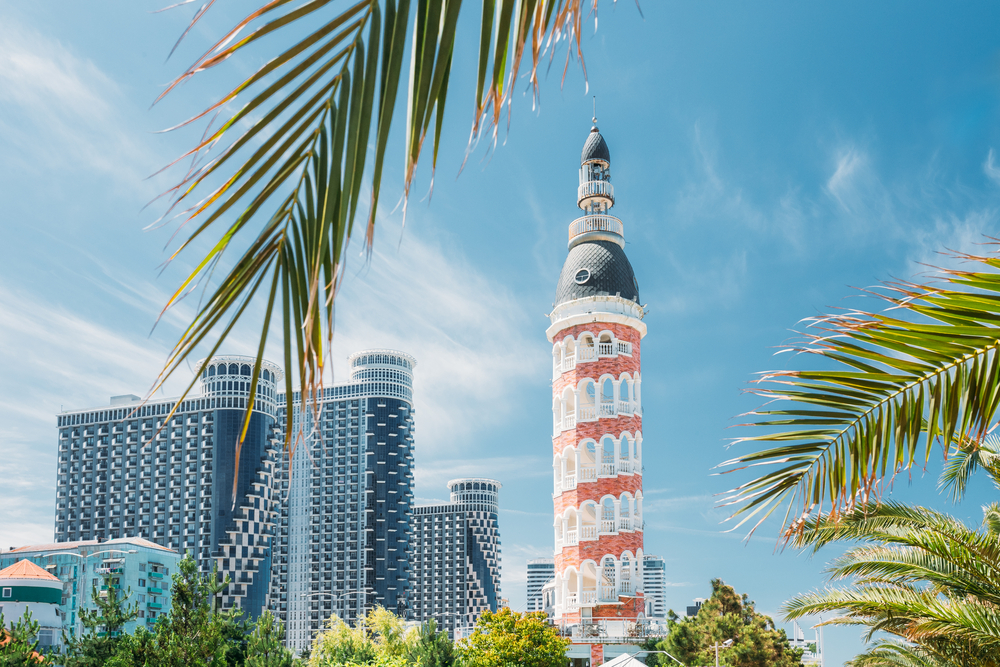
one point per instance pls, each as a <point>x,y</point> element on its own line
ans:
<point>540,572</point>
<point>654,579</point>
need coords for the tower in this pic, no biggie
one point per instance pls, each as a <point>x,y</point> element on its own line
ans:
<point>343,532</point>
<point>596,329</point>
<point>456,556</point>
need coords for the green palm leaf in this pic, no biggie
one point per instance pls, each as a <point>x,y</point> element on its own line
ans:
<point>918,574</point>
<point>922,374</point>
<point>286,168</point>
<point>896,654</point>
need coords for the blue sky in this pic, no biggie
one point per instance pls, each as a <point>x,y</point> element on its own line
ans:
<point>766,157</point>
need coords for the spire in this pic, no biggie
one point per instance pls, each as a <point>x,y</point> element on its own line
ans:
<point>596,195</point>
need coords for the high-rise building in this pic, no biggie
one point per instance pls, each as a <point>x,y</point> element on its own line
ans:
<point>540,572</point>
<point>343,536</point>
<point>124,470</point>
<point>654,580</point>
<point>133,563</point>
<point>596,329</point>
<point>456,556</point>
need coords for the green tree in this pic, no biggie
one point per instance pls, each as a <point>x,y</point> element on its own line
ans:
<point>756,642</point>
<point>380,640</point>
<point>510,638</point>
<point>887,390</point>
<point>432,648</point>
<point>19,643</point>
<point>265,648</point>
<point>102,626</point>
<point>290,152</point>
<point>191,634</point>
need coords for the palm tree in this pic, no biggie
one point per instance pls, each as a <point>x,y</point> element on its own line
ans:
<point>286,168</point>
<point>889,388</point>
<point>896,654</point>
<point>918,574</point>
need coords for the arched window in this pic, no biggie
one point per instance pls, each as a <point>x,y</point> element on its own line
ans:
<point>588,402</point>
<point>222,369</point>
<point>607,456</point>
<point>267,376</point>
<point>608,516</point>
<point>245,370</point>
<point>234,369</point>
<point>608,586</point>
<point>605,346</point>
<point>211,371</point>
<point>608,390</point>
<point>624,449</point>
<point>623,390</point>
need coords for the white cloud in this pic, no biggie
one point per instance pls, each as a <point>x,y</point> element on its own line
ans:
<point>59,110</point>
<point>990,168</point>
<point>844,182</point>
<point>62,359</point>
<point>476,349</point>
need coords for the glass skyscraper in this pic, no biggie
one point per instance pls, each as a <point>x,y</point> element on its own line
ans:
<point>456,555</point>
<point>343,535</point>
<point>124,470</point>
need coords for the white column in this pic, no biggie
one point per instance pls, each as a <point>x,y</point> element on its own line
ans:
<point>618,513</point>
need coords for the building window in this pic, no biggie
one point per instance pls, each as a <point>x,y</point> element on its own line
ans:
<point>7,592</point>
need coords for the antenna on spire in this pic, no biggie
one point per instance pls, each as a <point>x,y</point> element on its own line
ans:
<point>595,109</point>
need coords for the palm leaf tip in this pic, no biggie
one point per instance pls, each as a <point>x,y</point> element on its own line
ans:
<point>924,373</point>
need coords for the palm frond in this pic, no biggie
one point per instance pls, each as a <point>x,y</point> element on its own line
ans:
<point>287,166</point>
<point>967,457</point>
<point>888,653</point>
<point>918,574</point>
<point>924,373</point>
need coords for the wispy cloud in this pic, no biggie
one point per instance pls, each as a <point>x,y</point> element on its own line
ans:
<point>62,359</point>
<point>475,347</point>
<point>990,168</point>
<point>61,111</point>
<point>845,183</point>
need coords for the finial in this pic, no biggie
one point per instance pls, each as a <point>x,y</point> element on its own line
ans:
<point>595,110</point>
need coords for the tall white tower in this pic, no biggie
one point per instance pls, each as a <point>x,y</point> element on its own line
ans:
<point>597,410</point>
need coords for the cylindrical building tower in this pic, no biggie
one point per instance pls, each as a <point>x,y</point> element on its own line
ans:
<point>597,411</point>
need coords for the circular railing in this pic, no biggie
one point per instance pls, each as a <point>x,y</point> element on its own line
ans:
<point>596,223</point>
<point>595,189</point>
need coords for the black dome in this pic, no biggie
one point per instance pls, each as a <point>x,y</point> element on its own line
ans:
<point>595,148</point>
<point>609,273</point>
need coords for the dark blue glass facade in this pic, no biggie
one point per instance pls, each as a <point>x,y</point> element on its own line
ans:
<point>388,501</point>
<point>240,537</point>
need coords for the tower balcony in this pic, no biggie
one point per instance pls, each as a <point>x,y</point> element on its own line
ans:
<point>592,189</point>
<point>599,226</point>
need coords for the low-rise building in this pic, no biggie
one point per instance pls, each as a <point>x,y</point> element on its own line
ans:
<point>26,587</point>
<point>137,567</point>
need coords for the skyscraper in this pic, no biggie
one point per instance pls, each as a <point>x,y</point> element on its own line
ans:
<point>123,470</point>
<point>456,555</point>
<point>596,329</point>
<point>654,579</point>
<point>540,572</point>
<point>343,536</point>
